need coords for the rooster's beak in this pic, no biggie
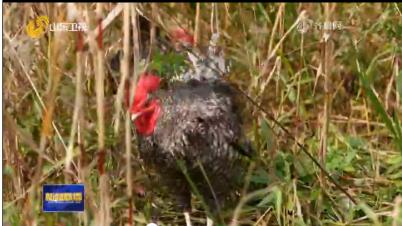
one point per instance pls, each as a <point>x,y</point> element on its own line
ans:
<point>135,116</point>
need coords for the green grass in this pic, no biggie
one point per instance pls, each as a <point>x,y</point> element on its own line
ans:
<point>356,77</point>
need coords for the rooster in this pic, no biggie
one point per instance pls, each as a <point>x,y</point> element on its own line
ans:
<point>191,134</point>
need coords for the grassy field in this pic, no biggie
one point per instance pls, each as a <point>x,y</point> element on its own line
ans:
<point>322,81</point>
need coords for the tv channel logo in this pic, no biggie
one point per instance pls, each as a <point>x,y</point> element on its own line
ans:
<point>37,27</point>
<point>63,197</point>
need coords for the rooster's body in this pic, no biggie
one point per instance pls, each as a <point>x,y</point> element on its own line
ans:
<point>199,124</point>
<point>197,139</point>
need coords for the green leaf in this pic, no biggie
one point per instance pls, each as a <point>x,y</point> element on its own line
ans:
<point>267,134</point>
<point>278,204</point>
<point>399,85</point>
<point>260,177</point>
<point>370,213</point>
<point>282,166</point>
<point>292,95</point>
<point>8,170</point>
<point>356,142</point>
<point>377,104</point>
<point>379,108</point>
<point>274,198</point>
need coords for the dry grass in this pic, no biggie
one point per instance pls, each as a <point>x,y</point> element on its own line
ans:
<point>337,94</point>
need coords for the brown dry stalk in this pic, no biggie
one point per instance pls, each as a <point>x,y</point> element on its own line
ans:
<point>11,155</point>
<point>214,18</point>
<point>197,25</point>
<point>397,210</point>
<point>103,215</point>
<point>326,51</point>
<point>135,38</point>
<point>278,18</point>
<point>125,67</point>
<point>132,87</point>
<point>397,88</point>
<point>105,22</point>
<point>77,104</point>
<point>272,53</point>
<point>55,57</point>
<point>154,12</point>
<point>125,74</point>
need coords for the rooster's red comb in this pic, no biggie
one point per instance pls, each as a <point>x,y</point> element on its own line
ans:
<point>182,35</point>
<point>148,82</point>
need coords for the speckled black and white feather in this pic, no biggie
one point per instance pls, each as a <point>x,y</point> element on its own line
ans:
<point>199,124</point>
